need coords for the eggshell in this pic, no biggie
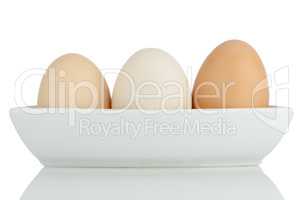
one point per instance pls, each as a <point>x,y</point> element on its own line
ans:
<point>73,80</point>
<point>232,76</point>
<point>151,79</point>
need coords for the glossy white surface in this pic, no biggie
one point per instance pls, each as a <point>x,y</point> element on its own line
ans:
<point>247,183</point>
<point>133,138</point>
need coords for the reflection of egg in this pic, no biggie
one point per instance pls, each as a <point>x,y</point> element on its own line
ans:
<point>73,81</point>
<point>151,79</point>
<point>232,76</point>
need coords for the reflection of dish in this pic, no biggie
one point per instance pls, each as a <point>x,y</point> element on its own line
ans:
<point>111,138</point>
<point>247,183</point>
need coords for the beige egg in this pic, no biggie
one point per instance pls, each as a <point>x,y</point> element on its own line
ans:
<point>232,76</point>
<point>151,79</point>
<point>74,81</point>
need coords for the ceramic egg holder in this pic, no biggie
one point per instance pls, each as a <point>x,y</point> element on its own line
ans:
<point>134,138</point>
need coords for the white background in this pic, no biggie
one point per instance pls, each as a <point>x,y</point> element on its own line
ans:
<point>34,33</point>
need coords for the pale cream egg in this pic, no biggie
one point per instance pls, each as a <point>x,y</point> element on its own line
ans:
<point>151,79</point>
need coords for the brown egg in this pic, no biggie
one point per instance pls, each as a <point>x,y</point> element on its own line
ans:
<point>232,76</point>
<point>74,81</point>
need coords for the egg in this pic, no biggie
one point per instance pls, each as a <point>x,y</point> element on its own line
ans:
<point>232,76</point>
<point>72,80</point>
<point>151,79</point>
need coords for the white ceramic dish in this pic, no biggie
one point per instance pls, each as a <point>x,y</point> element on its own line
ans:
<point>133,138</point>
